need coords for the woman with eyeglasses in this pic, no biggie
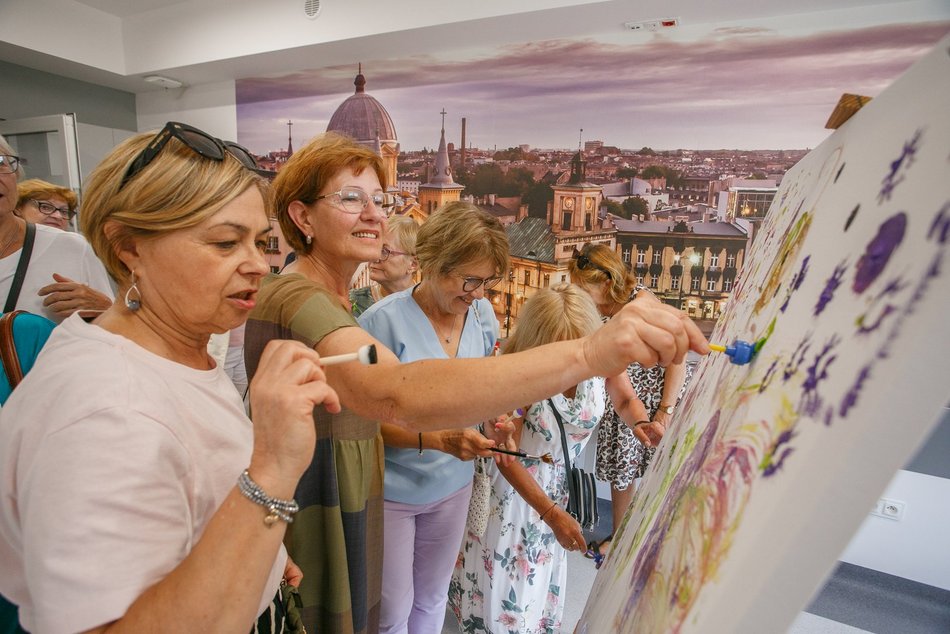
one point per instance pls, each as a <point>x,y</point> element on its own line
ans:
<point>396,267</point>
<point>58,271</point>
<point>623,453</point>
<point>331,203</point>
<point>47,204</point>
<point>462,253</point>
<point>141,498</point>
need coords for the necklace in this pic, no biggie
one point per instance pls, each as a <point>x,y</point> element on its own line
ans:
<point>423,301</point>
<point>447,338</point>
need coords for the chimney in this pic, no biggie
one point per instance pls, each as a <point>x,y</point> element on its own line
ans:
<point>462,159</point>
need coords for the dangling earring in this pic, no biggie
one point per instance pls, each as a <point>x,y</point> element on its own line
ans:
<point>133,303</point>
<point>309,239</point>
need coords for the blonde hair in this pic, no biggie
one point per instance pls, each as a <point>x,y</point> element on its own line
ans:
<point>459,233</point>
<point>6,149</point>
<point>559,313</point>
<point>405,229</point>
<point>305,175</point>
<point>606,266</point>
<point>36,189</point>
<point>177,190</point>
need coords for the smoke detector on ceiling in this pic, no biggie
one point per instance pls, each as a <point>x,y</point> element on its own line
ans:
<point>311,8</point>
<point>164,82</point>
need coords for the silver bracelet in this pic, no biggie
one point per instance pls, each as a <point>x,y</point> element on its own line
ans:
<point>277,509</point>
<point>641,287</point>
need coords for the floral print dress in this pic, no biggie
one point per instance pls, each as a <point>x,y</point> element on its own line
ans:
<point>512,579</point>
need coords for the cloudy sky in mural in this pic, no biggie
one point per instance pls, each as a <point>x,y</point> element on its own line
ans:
<point>733,87</point>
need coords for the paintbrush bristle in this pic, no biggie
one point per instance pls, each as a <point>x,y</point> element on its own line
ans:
<point>547,459</point>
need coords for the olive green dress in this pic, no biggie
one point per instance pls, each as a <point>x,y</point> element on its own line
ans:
<point>337,537</point>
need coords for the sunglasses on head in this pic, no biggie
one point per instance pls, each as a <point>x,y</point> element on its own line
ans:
<point>198,141</point>
<point>584,264</point>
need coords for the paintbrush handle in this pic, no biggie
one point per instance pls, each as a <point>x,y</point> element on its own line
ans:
<point>365,355</point>
<point>520,454</point>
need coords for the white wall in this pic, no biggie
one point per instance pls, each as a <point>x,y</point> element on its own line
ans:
<point>210,107</point>
<point>69,30</point>
<point>917,546</point>
<point>95,142</point>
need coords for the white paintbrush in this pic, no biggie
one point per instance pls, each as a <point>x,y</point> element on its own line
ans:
<point>365,355</point>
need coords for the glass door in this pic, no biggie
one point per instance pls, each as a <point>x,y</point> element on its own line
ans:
<point>47,147</point>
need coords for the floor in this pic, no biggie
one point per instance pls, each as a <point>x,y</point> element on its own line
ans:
<point>855,600</point>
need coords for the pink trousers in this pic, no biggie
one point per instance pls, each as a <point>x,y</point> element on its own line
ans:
<point>420,545</point>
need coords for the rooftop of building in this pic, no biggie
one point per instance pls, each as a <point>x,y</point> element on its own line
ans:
<point>531,238</point>
<point>361,117</point>
<point>718,229</point>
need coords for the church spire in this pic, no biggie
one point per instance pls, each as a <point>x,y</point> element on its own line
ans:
<point>443,170</point>
<point>290,139</point>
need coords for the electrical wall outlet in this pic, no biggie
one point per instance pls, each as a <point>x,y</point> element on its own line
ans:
<point>889,509</point>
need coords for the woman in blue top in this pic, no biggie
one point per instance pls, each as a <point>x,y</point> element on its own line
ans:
<point>462,252</point>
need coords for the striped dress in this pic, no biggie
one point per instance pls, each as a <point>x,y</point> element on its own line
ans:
<point>337,536</point>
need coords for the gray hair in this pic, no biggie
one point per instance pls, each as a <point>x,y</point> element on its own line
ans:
<point>6,149</point>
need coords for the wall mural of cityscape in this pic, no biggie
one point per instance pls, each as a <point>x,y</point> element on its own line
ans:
<point>675,142</point>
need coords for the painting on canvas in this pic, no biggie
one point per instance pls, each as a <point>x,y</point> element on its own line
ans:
<point>770,467</point>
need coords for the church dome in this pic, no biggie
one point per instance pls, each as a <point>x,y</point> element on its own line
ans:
<point>361,117</point>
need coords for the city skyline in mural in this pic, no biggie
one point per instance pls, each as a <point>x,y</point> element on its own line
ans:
<point>731,87</point>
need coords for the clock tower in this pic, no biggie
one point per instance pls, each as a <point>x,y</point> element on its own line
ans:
<point>575,205</point>
<point>442,187</point>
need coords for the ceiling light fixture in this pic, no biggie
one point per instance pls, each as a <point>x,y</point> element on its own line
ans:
<point>164,82</point>
<point>651,25</point>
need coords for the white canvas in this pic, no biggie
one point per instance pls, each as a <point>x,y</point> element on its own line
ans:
<point>769,468</point>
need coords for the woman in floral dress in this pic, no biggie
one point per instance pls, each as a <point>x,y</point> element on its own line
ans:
<point>512,578</point>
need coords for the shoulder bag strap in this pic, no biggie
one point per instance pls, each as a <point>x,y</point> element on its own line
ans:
<point>21,267</point>
<point>11,362</point>
<point>571,490</point>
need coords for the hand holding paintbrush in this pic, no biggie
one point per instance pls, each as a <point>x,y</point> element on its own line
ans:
<point>504,437</point>
<point>545,457</point>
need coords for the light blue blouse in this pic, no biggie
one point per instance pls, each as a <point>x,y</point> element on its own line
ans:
<point>399,323</point>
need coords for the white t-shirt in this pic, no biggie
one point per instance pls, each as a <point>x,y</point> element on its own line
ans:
<point>112,462</point>
<point>54,251</point>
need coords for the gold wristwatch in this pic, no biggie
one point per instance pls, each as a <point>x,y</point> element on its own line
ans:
<point>666,409</point>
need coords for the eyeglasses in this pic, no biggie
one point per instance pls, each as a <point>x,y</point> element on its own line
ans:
<point>355,201</point>
<point>199,142</point>
<point>388,252</point>
<point>584,264</point>
<point>48,209</point>
<point>470,284</point>
<point>9,163</point>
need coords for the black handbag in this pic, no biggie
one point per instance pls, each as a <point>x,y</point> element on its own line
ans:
<point>581,487</point>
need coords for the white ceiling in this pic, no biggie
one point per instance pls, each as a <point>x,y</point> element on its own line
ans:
<point>125,8</point>
<point>118,42</point>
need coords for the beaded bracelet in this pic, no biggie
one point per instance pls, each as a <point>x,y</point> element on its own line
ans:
<point>277,509</point>
<point>553,504</point>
